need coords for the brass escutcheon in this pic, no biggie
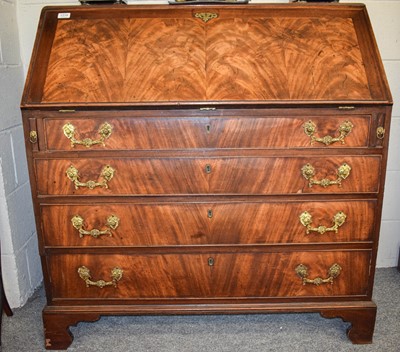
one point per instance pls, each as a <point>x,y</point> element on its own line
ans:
<point>205,16</point>
<point>380,132</point>
<point>33,137</point>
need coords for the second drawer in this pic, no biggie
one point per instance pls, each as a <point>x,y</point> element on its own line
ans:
<point>230,175</point>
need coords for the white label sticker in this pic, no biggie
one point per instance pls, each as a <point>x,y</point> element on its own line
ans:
<point>64,15</point>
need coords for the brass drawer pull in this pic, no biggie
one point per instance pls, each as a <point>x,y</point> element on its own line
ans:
<point>308,172</point>
<point>107,174</point>
<point>333,272</point>
<point>105,131</point>
<point>111,224</point>
<point>344,129</point>
<point>338,220</point>
<point>33,137</point>
<point>84,274</point>
<point>380,132</point>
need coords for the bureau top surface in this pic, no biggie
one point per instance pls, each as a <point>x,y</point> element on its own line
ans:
<point>192,55</point>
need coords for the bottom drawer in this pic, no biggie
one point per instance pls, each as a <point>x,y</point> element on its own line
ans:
<point>219,275</point>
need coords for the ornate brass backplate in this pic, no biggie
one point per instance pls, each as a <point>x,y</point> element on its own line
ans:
<point>338,220</point>
<point>84,274</point>
<point>308,172</point>
<point>333,272</point>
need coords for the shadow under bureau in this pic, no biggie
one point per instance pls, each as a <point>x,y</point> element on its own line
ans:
<point>206,159</point>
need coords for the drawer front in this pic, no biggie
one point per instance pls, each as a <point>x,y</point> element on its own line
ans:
<point>235,175</point>
<point>204,132</point>
<point>207,223</point>
<point>127,133</point>
<point>291,132</point>
<point>210,275</point>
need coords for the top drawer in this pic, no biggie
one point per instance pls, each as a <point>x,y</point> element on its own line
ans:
<point>162,133</point>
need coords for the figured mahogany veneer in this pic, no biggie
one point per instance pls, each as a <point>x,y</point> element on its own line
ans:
<point>190,275</point>
<point>207,132</point>
<point>220,63</point>
<point>206,223</point>
<point>184,166</point>
<point>226,176</point>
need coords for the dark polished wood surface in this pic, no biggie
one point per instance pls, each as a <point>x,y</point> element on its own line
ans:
<point>207,132</point>
<point>251,53</point>
<point>231,175</point>
<point>195,223</point>
<point>232,275</point>
<point>239,58</point>
<point>210,125</point>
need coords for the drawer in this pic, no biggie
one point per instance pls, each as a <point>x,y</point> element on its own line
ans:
<point>113,224</point>
<point>126,133</point>
<point>291,132</point>
<point>205,132</point>
<point>233,175</point>
<point>219,275</point>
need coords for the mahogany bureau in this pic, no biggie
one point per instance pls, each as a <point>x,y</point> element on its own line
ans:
<point>207,159</point>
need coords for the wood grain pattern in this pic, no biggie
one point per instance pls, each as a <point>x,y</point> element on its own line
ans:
<point>56,330</point>
<point>189,275</point>
<point>127,59</point>
<point>285,59</point>
<point>228,175</point>
<point>132,134</point>
<point>190,224</point>
<point>288,132</point>
<point>182,59</point>
<point>205,132</point>
<point>207,119</point>
<point>362,322</point>
<point>360,314</point>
